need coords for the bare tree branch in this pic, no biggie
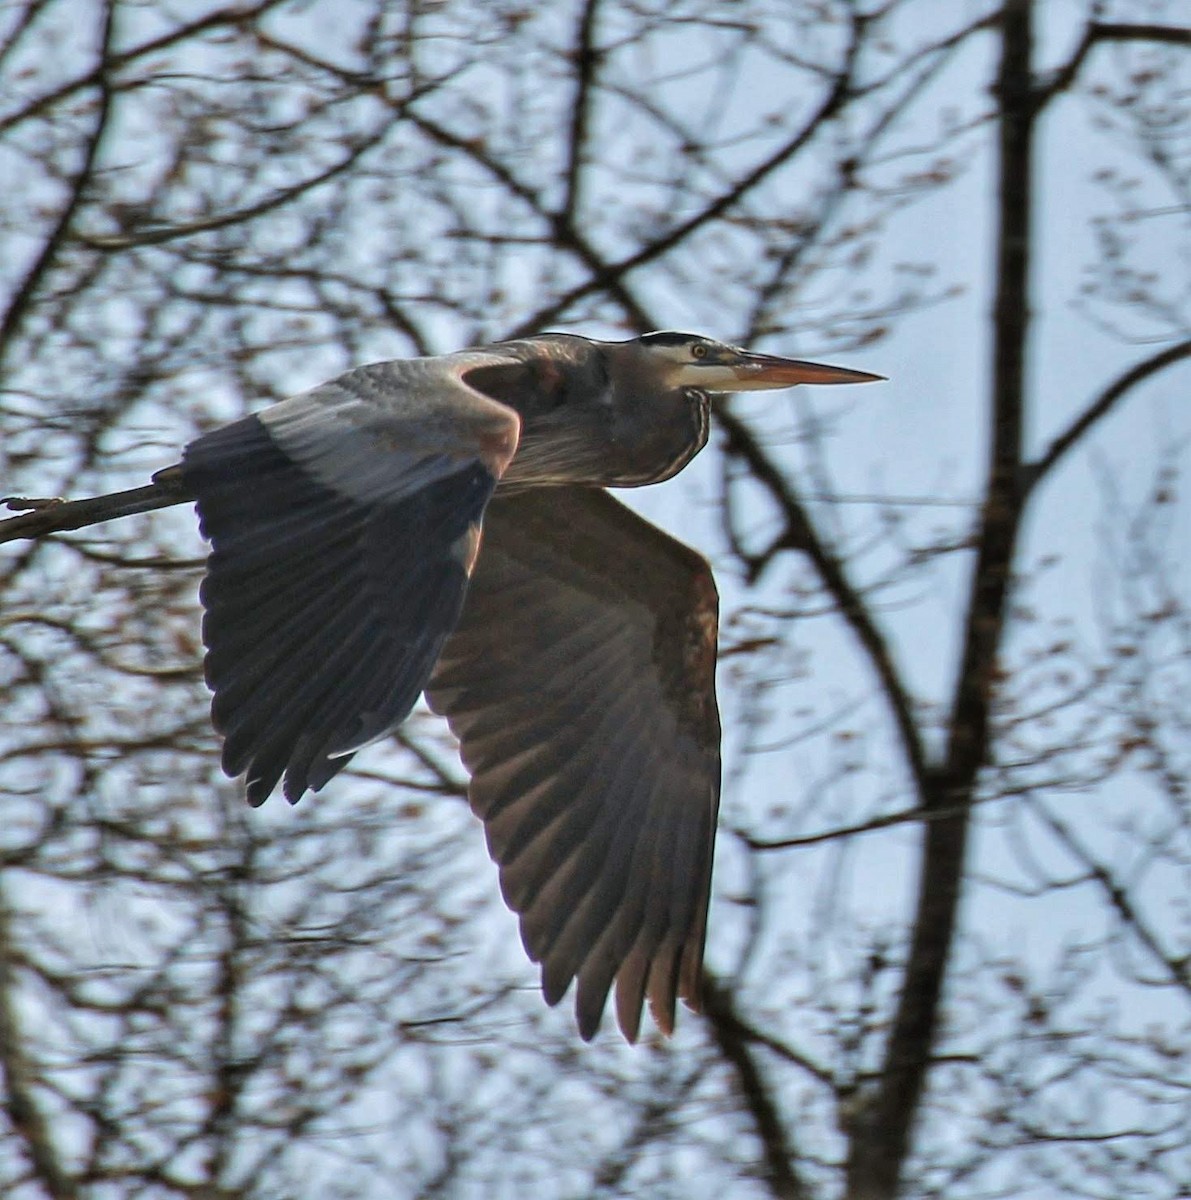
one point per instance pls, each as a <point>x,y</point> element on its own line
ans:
<point>159,235</point>
<point>25,293</point>
<point>734,1043</point>
<point>878,1151</point>
<point>18,1078</point>
<point>1099,32</point>
<point>1105,403</point>
<point>800,534</point>
<point>587,61</point>
<point>232,15</point>
<point>241,959</point>
<point>57,516</point>
<point>831,104</point>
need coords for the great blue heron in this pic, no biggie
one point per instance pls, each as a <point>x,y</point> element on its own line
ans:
<point>571,646</point>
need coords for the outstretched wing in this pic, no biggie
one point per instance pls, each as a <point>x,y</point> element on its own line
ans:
<point>344,524</point>
<point>580,682</point>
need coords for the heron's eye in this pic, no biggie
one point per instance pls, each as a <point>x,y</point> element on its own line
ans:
<point>698,350</point>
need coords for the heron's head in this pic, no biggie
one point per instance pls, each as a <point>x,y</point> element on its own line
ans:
<point>688,360</point>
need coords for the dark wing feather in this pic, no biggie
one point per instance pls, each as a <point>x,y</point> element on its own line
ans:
<point>580,681</point>
<point>343,532</point>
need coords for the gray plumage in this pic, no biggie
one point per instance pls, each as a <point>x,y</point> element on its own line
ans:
<point>439,524</point>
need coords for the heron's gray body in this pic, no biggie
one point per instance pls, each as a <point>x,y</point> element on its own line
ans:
<point>438,524</point>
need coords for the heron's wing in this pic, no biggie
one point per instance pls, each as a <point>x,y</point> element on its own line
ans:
<point>580,681</point>
<point>344,524</point>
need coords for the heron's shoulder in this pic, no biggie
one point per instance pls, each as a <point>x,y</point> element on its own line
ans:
<point>426,370</point>
<point>393,385</point>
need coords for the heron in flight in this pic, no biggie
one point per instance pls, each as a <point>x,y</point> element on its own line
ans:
<point>440,525</point>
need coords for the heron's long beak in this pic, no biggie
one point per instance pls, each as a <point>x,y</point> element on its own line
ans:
<point>758,371</point>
